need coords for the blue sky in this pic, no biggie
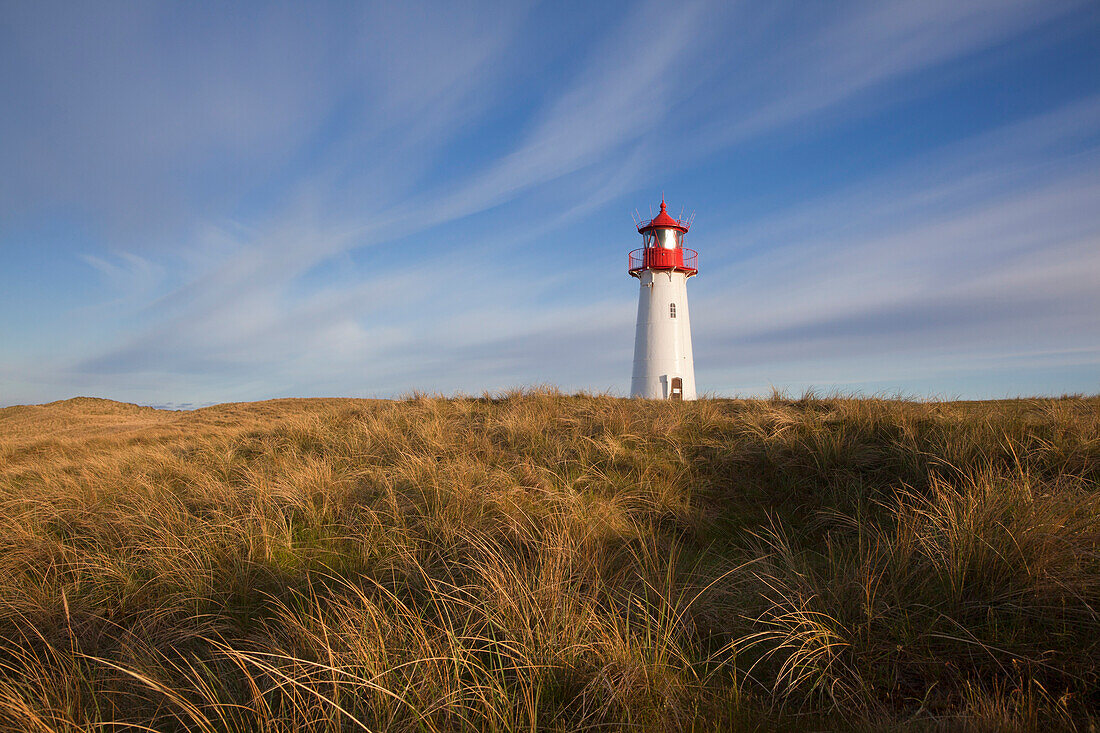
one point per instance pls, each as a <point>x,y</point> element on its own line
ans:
<point>203,205</point>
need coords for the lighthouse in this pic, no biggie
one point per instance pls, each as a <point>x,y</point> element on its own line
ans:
<point>663,365</point>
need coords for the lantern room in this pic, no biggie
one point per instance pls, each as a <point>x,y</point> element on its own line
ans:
<point>663,238</point>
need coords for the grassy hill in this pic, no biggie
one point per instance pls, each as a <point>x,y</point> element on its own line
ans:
<point>542,561</point>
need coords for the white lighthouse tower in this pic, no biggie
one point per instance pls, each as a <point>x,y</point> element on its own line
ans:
<point>663,365</point>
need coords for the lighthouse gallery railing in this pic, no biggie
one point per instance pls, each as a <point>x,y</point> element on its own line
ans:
<point>659,258</point>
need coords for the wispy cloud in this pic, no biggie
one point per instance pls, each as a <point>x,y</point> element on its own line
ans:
<point>959,257</point>
<point>860,55</point>
<point>358,202</point>
<point>237,309</point>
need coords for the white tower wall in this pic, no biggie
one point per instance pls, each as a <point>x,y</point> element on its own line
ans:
<point>662,343</point>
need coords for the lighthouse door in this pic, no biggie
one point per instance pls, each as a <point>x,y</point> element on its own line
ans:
<point>676,392</point>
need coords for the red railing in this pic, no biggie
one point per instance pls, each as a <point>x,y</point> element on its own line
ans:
<point>659,258</point>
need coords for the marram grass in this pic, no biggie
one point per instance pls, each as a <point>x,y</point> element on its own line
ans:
<point>538,561</point>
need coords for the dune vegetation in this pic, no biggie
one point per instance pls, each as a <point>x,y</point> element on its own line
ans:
<point>540,561</point>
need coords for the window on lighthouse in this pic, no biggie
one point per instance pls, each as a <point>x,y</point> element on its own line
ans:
<point>671,310</point>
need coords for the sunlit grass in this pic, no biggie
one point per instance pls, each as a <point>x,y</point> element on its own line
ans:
<point>535,560</point>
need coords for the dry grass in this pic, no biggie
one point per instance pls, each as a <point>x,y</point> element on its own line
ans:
<point>542,561</point>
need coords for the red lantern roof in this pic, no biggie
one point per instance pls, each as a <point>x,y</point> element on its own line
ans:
<point>663,221</point>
